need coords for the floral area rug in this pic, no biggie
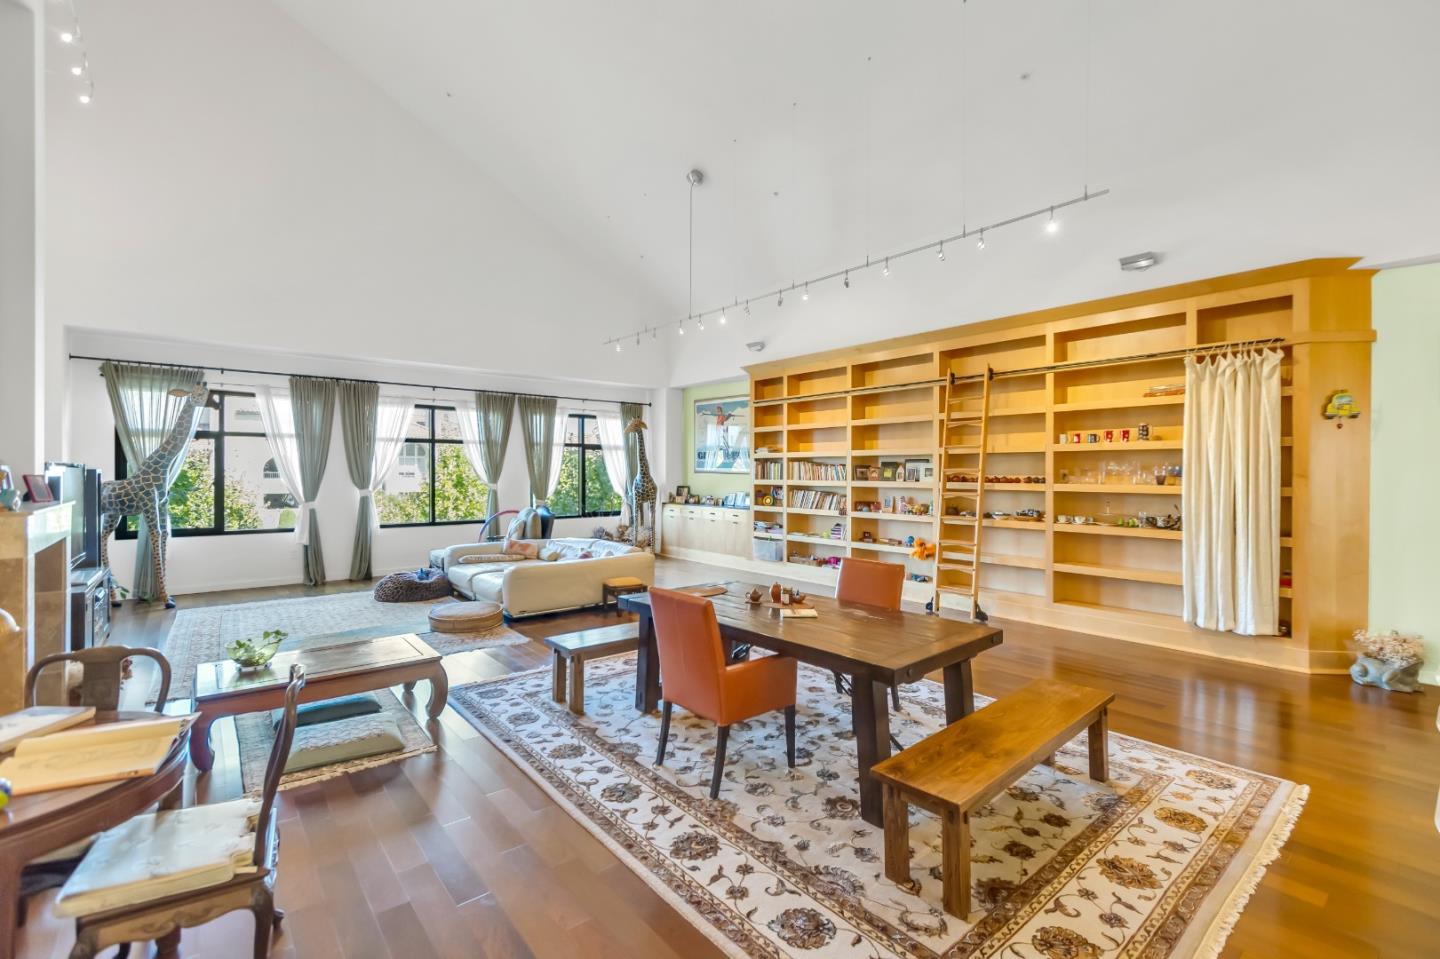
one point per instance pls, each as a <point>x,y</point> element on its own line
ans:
<point>1156,863</point>
<point>200,635</point>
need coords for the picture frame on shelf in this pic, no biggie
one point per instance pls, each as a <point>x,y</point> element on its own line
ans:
<point>887,472</point>
<point>722,435</point>
<point>914,469</point>
<point>38,489</point>
<point>682,493</point>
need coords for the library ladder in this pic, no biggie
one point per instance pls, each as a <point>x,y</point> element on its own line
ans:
<point>962,455</point>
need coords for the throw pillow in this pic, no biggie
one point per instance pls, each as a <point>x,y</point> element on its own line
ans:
<point>325,744</point>
<point>528,550</point>
<point>491,558</point>
<point>328,710</point>
<point>549,554</point>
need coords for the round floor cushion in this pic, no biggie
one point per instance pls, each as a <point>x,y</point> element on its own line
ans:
<point>475,616</point>
<point>413,585</point>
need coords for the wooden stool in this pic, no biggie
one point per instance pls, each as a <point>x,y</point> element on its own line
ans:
<point>618,586</point>
<point>972,760</point>
<point>573,649</point>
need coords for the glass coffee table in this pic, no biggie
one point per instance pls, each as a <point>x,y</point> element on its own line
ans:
<point>222,688</point>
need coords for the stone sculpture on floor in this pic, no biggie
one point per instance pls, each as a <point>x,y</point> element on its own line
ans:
<point>642,493</point>
<point>147,492</point>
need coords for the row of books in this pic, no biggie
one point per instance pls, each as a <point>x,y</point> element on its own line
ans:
<point>829,472</point>
<point>769,470</point>
<point>816,499</point>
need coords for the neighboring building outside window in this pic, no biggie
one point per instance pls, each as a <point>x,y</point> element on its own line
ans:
<point>432,448</point>
<point>584,487</point>
<point>229,443</point>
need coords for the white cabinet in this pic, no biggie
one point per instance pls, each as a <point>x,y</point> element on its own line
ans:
<point>704,529</point>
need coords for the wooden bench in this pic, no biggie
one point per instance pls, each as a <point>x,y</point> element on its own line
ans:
<point>573,649</point>
<point>972,760</point>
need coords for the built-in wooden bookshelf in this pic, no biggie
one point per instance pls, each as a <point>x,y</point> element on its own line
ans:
<point>1083,369</point>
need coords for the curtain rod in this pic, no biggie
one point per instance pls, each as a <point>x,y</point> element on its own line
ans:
<point>222,370</point>
<point>1133,358</point>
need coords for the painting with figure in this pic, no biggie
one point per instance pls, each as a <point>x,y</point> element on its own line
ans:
<point>722,435</point>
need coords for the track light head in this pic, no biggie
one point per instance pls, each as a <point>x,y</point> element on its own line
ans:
<point>847,279</point>
<point>980,243</point>
<point>941,255</point>
<point>722,317</point>
<point>66,36</point>
<point>885,270</point>
<point>805,293</point>
<point>1051,226</point>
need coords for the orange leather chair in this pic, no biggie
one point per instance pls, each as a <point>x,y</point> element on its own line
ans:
<point>693,673</point>
<point>873,583</point>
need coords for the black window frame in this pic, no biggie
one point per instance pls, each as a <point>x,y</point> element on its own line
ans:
<point>217,437</point>
<point>432,408</point>
<point>583,447</point>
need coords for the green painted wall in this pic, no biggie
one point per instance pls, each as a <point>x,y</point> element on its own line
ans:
<point>1405,456</point>
<point>709,484</point>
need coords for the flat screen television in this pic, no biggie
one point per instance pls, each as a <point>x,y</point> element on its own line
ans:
<point>79,485</point>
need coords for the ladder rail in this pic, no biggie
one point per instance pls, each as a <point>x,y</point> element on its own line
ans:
<point>968,565</point>
<point>976,614</point>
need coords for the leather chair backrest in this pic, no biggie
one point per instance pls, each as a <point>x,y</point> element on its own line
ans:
<point>692,657</point>
<point>870,582</point>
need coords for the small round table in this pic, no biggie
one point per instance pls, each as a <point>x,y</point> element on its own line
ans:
<point>41,822</point>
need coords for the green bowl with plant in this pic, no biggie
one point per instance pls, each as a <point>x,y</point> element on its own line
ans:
<point>255,653</point>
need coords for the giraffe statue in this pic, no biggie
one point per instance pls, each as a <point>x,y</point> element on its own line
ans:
<point>147,493</point>
<point>642,492</point>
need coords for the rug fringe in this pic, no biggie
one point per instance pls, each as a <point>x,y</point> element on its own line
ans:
<point>1214,942</point>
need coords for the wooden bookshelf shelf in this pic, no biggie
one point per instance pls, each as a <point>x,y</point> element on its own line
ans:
<point>1091,529</point>
<point>1084,368</point>
<point>1114,488</point>
<point>1162,576</point>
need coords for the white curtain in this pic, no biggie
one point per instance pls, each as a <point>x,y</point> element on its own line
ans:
<point>468,413</point>
<point>277,414</point>
<point>1231,505</point>
<point>557,449</point>
<point>392,420</point>
<point>612,448</point>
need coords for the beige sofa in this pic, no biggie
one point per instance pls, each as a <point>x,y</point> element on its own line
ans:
<point>533,586</point>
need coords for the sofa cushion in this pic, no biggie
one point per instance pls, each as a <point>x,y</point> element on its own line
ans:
<point>325,744</point>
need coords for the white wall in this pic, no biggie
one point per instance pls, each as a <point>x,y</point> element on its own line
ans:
<point>1405,456</point>
<point>234,182</point>
<point>22,230</point>
<point>204,563</point>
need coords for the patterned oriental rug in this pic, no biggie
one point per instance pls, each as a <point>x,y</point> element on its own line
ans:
<point>1158,863</point>
<point>200,635</point>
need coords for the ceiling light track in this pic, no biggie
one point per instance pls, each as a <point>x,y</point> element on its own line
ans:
<point>1048,212</point>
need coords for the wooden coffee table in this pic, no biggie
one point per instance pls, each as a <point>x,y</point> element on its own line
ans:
<point>355,666</point>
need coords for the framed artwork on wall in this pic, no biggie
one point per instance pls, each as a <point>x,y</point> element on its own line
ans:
<point>722,435</point>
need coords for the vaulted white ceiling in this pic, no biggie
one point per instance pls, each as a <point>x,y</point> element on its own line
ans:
<point>1235,134</point>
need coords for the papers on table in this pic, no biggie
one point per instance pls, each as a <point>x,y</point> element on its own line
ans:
<point>93,754</point>
<point>39,720</point>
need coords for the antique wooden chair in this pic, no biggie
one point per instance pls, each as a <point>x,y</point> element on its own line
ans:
<point>157,874</point>
<point>103,670</point>
<point>696,675</point>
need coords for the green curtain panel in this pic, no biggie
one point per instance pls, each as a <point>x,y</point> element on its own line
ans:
<point>630,412</point>
<point>314,409</point>
<point>537,425</point>
<point>144,413</point>
<point>359,407</point>
<point>495,412</point>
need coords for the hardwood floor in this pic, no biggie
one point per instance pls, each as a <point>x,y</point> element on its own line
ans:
<point>459,854</point>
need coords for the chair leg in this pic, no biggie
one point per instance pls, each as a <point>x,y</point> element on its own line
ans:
<point>839,683</point>
<point>84,948</point>
<point>790,735</point>
<point>264,927</point>
<point>895,697</point>
<point>722,738</point>
<point>664,732</point>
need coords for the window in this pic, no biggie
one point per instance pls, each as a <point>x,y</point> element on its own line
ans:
<point>583,488</point>
<point>432,449</point>
<point>250,498</point>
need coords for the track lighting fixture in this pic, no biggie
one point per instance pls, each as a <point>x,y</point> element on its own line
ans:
<point>780,298</point>
<point>700,323</point>
<point>805,294</point>
<point>66,36</point>
<point>980,243</point>
<point>617,346</point>
<point>76,70</point>
<point>886,270</point>
<point>722,317</point>
<point>847,279</point>
<point>1051,226</point>
<point>747,307</point>
<point>941,255</point>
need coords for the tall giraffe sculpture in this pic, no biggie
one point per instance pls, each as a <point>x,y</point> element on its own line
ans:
<point>642,491</point>
<point>147,493</point>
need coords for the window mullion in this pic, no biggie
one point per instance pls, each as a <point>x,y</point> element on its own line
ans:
<point>217,460</point>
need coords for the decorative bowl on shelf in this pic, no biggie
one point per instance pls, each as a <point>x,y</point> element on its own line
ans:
<point>256,653</point>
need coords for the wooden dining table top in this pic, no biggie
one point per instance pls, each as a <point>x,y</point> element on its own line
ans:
<point>855,638</point>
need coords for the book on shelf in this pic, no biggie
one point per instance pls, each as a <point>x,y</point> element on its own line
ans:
<point>816,472</point>
<point>93,754</point>
<point>38,721</point>
<point>816,499</point>
<point>769,470</point>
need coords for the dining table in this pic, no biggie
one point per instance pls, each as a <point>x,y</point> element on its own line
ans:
<point>877,648</point>
<point>38,823</point>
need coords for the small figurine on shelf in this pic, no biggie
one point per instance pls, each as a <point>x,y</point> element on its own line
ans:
<point>922,549</point>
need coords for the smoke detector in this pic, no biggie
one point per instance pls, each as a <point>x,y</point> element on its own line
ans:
<point>755,346</point>
<point>1139,261</point>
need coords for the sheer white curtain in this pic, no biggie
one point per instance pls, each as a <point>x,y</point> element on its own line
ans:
<point>612,448</point>
<point>1231,505</point>
<point>557,448</point>
<point>468,413</point>
<point>277,414</point>
<point>392,419</point>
